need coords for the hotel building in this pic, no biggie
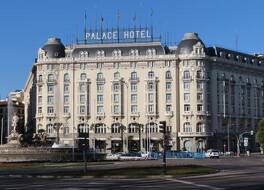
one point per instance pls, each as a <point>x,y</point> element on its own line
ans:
<point>117,93</point>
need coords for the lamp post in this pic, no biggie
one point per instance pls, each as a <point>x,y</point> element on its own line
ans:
<point>240,137</point>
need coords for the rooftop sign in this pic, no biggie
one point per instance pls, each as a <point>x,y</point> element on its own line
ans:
<point>119,35</point>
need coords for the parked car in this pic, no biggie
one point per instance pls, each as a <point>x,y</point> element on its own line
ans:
<point>112,156</point>
<point>212,153</point>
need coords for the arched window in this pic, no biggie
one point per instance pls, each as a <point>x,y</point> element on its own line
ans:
<point>100,128</point>
<point>200,127</point>
<point>51,78</point>
<point>66,77</point>
<point>186,74</point>
<point>132,128</point>
<point>168,75</point>
<point>66,130</point>
<point>187,128</point>
<point>134,75</point>
<point>150,74</point>
<point>50,129</point>
<point>99,76</point>
<point>83,128</point>
<point>116,75</point>
<point>116,128</point>
<point>83,76</point>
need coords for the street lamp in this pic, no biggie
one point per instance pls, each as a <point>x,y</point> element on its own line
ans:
<point>240,137</point>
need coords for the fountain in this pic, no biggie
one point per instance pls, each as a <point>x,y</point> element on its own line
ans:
<point>14,151</point>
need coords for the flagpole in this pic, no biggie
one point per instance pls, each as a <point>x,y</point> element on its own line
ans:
<point>118,17</point>
<point>85,28</point>
<point>102,20</point>
<point>151,15</point>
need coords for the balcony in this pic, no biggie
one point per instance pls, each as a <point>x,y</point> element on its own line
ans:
<point>39,115</point>
<point>195,134</point>
<point>100,114</point>
<point>51,115</point>
<point>135,114</point>
<point>67,115</point>
<point>169,113</point>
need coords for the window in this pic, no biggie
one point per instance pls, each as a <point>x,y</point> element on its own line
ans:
<point>200,85</point>
<point>133,75</point>
<point>66,77</point>
<point>100,88</point>
<point>199,97</point>
<point>50,110</point>
<point>100,109</point>
<point>199,74</point>
<point>66,99</point>
<point>39,109</point>
<point>116,109</point>
<point>133,52</point>
<point>134,98</point>
<point>150,74</point>
<point>50,88</point>
<point>116,98</point>
<point>50,128</point>
<point>134,109</point>
<point>186,85</point>
<point>168,98</point>
<point>99,76</point>
<point>82,99</point>
<point>199,108</point>
<point>100,53</point>
<point>51,78</point>
<point>100,99</point>
<point>186,75</point>
<point>116,53</point>
<point>116,75</point>
<point>150,86</point>
<point>82,88</point>
<point>186,97</point>
<point>168,108</point>
<point>168,75</point>
<point>50,100</point>
<point>151,108</point>
<point>168,86</point>
<point>100,128</point>
<point>116,87</point>
<point>187,107</point>
<point>66,109</point>
<point>82,109</point>
<point>200,127</point>
<point>40,79</point>
<point>83,128</point>
<point>133,87</point>
<point>66,88</point>
<point>83,77</point>
<point>40,89</point>
<point>187,128</point>
<point>151,97</point>
<point>40,100</point>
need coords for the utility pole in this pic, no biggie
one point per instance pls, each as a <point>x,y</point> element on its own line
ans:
<point>162,129</point>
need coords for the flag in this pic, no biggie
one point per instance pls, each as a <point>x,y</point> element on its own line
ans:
<point>102,19</point>
<point>151,12</point>
<point>134,17</point>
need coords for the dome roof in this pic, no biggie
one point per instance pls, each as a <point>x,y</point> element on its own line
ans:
<point>54,48</point>
<point>187,43</point>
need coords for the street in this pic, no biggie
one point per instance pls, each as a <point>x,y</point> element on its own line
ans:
<point>235,173</point>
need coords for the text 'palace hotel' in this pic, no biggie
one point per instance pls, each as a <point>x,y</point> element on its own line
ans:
<point>116,85</point>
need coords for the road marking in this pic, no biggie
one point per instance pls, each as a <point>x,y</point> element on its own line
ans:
<point>195,184</point>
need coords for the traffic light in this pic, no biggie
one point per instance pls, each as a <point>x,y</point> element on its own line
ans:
<point>162,127</point>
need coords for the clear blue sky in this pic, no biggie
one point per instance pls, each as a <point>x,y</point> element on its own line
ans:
<point>25,26</point>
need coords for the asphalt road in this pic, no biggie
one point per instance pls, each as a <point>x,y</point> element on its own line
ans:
<point>235,173</point>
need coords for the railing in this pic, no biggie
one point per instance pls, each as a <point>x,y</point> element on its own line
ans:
<point>195,134</point>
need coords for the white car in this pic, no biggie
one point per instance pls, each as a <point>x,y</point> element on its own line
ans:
<point>212,153</point>
<point>112,156</point>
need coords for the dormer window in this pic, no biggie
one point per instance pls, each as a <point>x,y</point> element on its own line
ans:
<point>100,53</point>
<point>116,53</point>
<point>133,52</point>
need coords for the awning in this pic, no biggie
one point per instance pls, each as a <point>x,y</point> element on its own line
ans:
<point>116,139</point>
<point>100,139</point>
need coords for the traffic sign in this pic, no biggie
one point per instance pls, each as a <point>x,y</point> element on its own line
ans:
<point>245,141</point>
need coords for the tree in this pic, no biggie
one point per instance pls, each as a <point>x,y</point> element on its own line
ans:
<point>260,133</point>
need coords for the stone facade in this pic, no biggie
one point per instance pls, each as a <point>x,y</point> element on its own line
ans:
<point>117,94</point>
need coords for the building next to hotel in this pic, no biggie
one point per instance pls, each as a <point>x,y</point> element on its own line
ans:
<point>117,92</point>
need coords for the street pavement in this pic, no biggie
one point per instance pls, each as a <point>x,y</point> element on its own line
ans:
<point>234,173</point>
